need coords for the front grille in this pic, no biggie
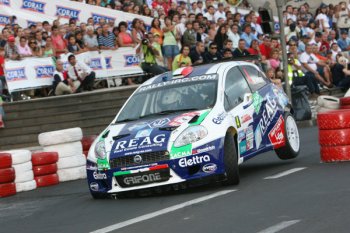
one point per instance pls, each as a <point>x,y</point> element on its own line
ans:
<point>151,157</point>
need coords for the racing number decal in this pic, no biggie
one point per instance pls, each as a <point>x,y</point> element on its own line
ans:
<point>277,133</point>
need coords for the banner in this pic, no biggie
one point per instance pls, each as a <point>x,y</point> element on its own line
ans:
<point>31,73</point>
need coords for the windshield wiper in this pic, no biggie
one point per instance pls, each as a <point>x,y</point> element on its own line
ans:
<point>170,111</point>
<point>126,120</point>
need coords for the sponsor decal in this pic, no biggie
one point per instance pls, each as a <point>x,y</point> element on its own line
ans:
<point>241,135</point>
<point>178,152</point>
<point>4,19</point>
<point>187,162</point>
<point>102,164</point>
<point>219,118</point>
<point>203,150</point>
<point>138,152</point>
<point>140,166</point>
<point>30,23</point>
<point>276,135</point>
<point>97,17</point>
<point>159,123</point>
<point>243,146</point>
<point>108,62</point>
<point>249,132</point>
<point>132,180</point>
<point>17,74</point>
<point>94,186</point>
<point>138,126</point>
<point>44,71</point>
<point>95,64</point>
<point>258,137</point>
<point>137,159</point>
<point>245,118</point>
<point>131,60</point>
<point>143,133</point>
<point>5,2</point>
<point>250,144</point>
<point>257,100</point>
<point>138,143</point>
<point>67,13</point>
<point>268,113</point>
<point>178,81</point>
<point>35,6</point>
<point>209,168</point>
<point>238,122</point>
<point>281,97</point>
<point>91,166</point>
<point>179,120</point>
<point>99,176</point>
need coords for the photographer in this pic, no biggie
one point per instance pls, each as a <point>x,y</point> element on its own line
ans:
<point>149,61</point>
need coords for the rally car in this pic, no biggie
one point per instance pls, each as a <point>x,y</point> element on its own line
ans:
<point>193,123</point>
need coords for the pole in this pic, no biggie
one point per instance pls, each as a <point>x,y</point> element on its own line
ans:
<point>280,4</point>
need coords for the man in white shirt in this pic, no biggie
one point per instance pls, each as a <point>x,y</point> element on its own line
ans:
<point>200,8</point>
<point>234,36</point>
<point>80,72</point>
<point>322,18</point>
<point>220,13</point>
<point>210,14</point>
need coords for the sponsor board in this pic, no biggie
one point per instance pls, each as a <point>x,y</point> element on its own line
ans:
<point>138,143</point>
<point>4,20</point>
<point>95,63</point>
<point>195,160</point>
<point>17,74</point>
<point>276,135</point>
<point>99,176</point>
<point>108,63</point>
<point>183,118</point>
<point>97,17</point>
<point>5,2</point>
<point>44,71</point>
<point>178,81</point>
<point>219,118</point>
<point>268,113</point>
<point>35,6</point>
<point>209,168</point>
<point>68,13</point>
<point>178,152</point>
<point>131,60</point>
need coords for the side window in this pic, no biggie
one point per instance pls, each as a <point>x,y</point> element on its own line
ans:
<point>254,77</point>
<point>235,88</point>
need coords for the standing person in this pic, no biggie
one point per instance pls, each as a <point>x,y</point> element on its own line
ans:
<point>137,32</point>
<point>90,39</point>
<point>63,85</point>
<point>182,59</point>
<point>58,42</point>
<point>2,73</point>
<point>233,35</point>
<point>322,18</point>
<point>156,28</point>
<point>189,36</point>
<point>107,40</point>
<point>49,50</point>
<point>79,71</point>
<point>170,47</point>
<point>156,44</point>
<point>124,37</point>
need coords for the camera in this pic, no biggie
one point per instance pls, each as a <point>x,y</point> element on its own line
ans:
<point>145,41</point>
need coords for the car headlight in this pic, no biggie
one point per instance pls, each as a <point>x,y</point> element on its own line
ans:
<point>190,135</point>
<point>100,150</point>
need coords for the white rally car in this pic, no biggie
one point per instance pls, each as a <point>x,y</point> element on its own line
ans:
<point>193,123</point>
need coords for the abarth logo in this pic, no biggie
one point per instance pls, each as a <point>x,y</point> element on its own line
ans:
<point>137,159</point>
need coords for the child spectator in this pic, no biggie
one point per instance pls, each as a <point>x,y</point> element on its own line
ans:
<point>73,46</point>
<point>23,48</point>
<point>182,59</point>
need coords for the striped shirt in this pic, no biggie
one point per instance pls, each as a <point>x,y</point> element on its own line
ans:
<point>107,41</point>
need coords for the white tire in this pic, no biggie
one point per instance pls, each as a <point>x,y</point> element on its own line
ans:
<point>20,156</point>
<point>24,176</point>
<point>322,109</point>
<point>25,186</point>
<point>60,136</point>
<point>66,149</point>
<point>329,102</point>
<point>23,167</point>
<point>72,161</point>
<point>347,94</point>
<point>74,173</point>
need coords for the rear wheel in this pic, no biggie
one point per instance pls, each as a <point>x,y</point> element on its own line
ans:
<point>292,147</point>
<point>230,161</point>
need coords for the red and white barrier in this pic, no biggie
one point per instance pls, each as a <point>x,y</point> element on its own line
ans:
<point>45,168</point>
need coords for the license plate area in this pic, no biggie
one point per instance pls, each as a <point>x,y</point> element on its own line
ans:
<point>142,178</point>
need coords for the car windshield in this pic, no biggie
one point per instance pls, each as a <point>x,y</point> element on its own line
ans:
<point>186,94</point>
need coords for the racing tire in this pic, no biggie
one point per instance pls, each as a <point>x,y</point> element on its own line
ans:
<point>345,107</point>
<point>347,94</point>
<point>74,173</point>
<point>334,137</point>
<point>335,153</point>
<point>329,102</point>
<point>46,169</point>
<point>72,161</point>
<point>7,175</point>
<point>99,196</point>
<point>7,189</point>
<point>66,149</point>
<point>336,119</point>
<point>87,141</point>
<point>291,148</point>
<point>323,109</point>
<point>42,158</point>
<point>344,101</point>
<point>46,180</point>
<point>24,176</point>
<point>26,186</point>
<point>23,167</point>
<point>60,136</point>
<point>230,161</point>
<point>20,156</point>
<point>5,160</point>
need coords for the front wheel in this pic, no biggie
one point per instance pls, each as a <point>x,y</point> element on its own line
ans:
<point>292,146</point>
<point>230,161</point>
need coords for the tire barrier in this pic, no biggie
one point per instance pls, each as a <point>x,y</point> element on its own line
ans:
<point>66,149</point>
<point>87,142</point>
<point>5,160</point>
<point>345,103</point>
<point>47,180</point>
<point>20,156</point>
<point>327,103</point>
<point>60,136</point>
<point>7,189</point>
<point>26,186</point>
<point>45,168</point>
<point>43,158</point>
<point>74,173</point>
<point>72,161</point>
<point>334,135</point>
<point>7,175</point>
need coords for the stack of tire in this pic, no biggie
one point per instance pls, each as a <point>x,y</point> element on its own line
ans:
<point>7,176</point>
<point>345,103</point>
<point>67,143</point>
<point>327,103</point>
<point>87,142</point>
<point>22,164</point>
<point>334,135</point>
<point>45,168</point>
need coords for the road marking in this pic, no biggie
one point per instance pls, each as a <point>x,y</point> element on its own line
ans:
<point>160,212</point>
<point>285,173</point>
<point>279,226</point>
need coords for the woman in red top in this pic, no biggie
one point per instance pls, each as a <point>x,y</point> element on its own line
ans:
<point>124,38</point>
<point>58,42</point>
<point>254,48</point>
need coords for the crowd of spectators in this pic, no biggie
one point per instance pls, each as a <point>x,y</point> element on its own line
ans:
<point>182,34</point>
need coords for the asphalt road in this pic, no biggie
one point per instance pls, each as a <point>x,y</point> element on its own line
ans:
<point>313,198</point>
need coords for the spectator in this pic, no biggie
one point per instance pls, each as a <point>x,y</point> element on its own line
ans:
<point>80,42</point>
<point>210,15</point>
<point>158,47</point>
<point>233,35</point>
<point>170,47</point>
<point>35,49</point>
<point>23,48</point>
<point>49,50</point>
<point>220,13</point>
<point>138,30</point>
<point>107,40</point>
<point>227,54</point>
<point>341,73</point>
<point>79,71</point>
<point>2,73</point>
<point>344,41</point>
<point>63,85</point>
<point>58,42</point>
<point>73,46</point>
<point>254,48</point>
<point>271,74</point>
<point>182,59</point>
<point>124,38</point>
<point>247,36</point>
<point>274,60</point>
<point>5,35</point>
<point>39,39</point>
<point>334,51</point>
<point>156,28</point>
<point>197,53</point>
<point>241,50</point>
<point>11,50</point>
<point>90,39</point>
<point>212,55</point>
<point>322,18</point>
<point>220,37</point>
<point>189,36</point>
<point>343,21</point>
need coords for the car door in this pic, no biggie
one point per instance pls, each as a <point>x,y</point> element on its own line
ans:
<point>238,105</point>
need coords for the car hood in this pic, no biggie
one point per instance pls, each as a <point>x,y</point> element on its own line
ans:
<point>151,134</point>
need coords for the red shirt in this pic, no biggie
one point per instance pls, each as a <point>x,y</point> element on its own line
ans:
<point>2,64</point>
<point>265,51</point>
<point>253,51</point>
